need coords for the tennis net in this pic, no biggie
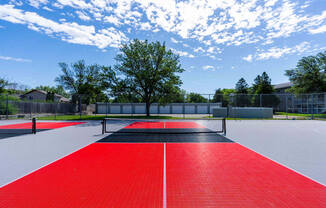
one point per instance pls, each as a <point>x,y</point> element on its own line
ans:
<point>155,126</point>
<point>20,128</point>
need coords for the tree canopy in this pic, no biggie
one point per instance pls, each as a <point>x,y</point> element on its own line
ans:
<point>148,70</point>
<point>57,90</point>
<point>196,98</point>
<point>241,87</point>
<point>87,81</point>
<point>3,84</point>
<point>262,84</point>
<point>309,76</point>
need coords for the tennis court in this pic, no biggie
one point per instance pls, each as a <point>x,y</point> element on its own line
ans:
<point>164,164</point>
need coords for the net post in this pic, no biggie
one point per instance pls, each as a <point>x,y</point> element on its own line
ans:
<point>224,126</point>
<point>34,125</point>
<point>103,126</point>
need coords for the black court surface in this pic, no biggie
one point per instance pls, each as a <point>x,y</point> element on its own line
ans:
<point>164,132</point>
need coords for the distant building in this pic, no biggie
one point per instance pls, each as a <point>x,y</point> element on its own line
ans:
<point>281,88</point>
<point>40,95</point>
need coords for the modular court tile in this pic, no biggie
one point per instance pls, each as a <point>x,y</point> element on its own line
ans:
<point>182,174</point>
<point>99,175</point>
<point>230,175</point>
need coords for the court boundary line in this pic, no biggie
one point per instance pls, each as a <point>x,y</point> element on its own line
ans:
<point>164,177</point>
<point>283,165</point>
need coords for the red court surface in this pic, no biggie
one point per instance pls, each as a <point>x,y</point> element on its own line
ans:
<point>98,176</point>
<point>163,125</point>
<point>41,125</point>
<point>230,175</point>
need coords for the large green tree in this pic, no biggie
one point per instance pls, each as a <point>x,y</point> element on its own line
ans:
<point>309,76</point>
<point>85,82</point>
<point>149,70</point>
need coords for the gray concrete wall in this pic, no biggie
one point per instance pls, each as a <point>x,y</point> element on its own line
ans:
<point>243,112</point>
<point>171,108</point>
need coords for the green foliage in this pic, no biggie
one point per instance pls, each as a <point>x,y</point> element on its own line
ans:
<point>54,90</point>
<point>3,84</point>
<point>223,96</point>
<point>242,99</point>
<point>263,85</point>
<point>196,98</point>
<point>309,76</point>
<point>148,70</point>
<point>11,107</point>
<point>86,81</point>
<point>241,87</point>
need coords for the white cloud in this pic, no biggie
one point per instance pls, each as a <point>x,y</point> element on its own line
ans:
<point>48,9</point>
<point>277,53</point>
<point>182,53</point>
<point>112,19</point>
<point>212,23</point>
<point>248,58</point>
<point>8,58</point>
<point>70,32</point>
<point>174,40</point>
<point>145,26</point>
<point>37,3</point>
<point>209,68</point>
<point>199,49</point>
<point>83,16</point>
<point>320,29</point>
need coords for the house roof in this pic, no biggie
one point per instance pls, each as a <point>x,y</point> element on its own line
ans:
<point>283,85</point>
<point>44,92</point>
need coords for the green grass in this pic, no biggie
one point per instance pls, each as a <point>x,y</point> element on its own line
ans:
<point>100,117</point>
<point>301,115</point>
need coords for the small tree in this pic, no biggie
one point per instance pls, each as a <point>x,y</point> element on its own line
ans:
<point>223,96</point>
<point>196,98</point>
<point>148,70</point>
<point>309,76</point>
<point>3,84</point>
<point>241,98</point>
<point>263,86</point>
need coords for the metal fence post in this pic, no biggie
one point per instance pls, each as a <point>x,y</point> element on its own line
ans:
<point>7,107</point>
<point>312,113</point>
<point>55,110</point>
<point>80,107</point>
<point>286,106</point>
<point>260,100</point>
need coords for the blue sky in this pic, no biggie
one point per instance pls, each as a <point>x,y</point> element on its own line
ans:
<point>218,41</point>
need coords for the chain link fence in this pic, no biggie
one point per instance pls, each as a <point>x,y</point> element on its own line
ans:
<point>186,105</point>
<point>15,106</point>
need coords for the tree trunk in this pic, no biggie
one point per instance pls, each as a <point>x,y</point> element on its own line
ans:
<point>148,104</point>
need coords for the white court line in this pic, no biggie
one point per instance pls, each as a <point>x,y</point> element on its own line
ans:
<point>164,177</point>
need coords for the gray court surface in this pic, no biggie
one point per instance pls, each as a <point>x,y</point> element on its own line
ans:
<point>24,154</point>
<point>297,144</point>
